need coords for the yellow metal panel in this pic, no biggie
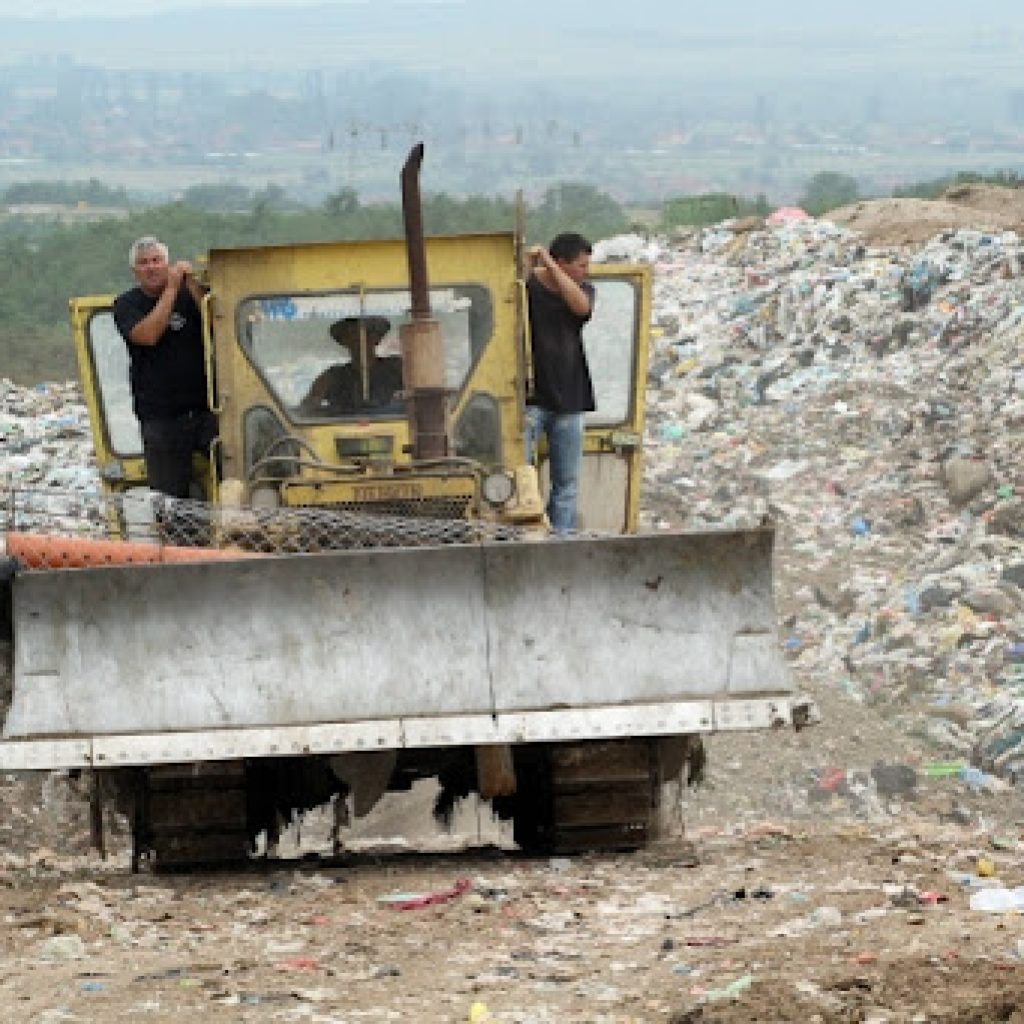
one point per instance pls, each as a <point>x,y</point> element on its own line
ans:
<point>319,266</point>
<point>236,275</point>
<point>81,312</point>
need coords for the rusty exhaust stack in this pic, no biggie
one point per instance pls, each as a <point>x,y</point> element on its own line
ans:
<point>422,345</point>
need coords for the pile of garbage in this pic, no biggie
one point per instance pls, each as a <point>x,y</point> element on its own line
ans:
<point>45,439</point>
<point>869,401</point>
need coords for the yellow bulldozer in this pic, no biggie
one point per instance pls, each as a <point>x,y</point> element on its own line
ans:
<point>362,593</point>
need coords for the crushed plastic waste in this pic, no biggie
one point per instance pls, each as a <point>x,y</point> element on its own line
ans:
<point>998,900</point>
<point>868,400</point>
<point>62,947</point>
<point>415,901</point>
<point>730,991</point>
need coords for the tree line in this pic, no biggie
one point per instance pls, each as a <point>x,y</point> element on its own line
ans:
<point>46,262</point>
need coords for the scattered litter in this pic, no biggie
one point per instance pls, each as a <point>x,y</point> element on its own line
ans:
<point>730,991</point>
<point>414,901</point>
<point>62,947</point>
<point>997,900</point>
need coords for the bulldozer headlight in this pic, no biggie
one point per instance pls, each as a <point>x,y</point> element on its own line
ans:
<point>498,488</point>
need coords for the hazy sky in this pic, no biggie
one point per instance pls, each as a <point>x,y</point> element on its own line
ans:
<point>503,40</point>
<point>790,15</point>
<point>130,8</point>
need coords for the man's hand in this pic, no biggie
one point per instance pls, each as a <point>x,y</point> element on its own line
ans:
<point>177,273</point>
<point>150,329</point>
<point>187,275</point>
<point>538,254</point>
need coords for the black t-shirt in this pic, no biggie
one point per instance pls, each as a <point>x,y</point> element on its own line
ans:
<point>340,390</point>
<point>168,378</point>
<point>561,377</point>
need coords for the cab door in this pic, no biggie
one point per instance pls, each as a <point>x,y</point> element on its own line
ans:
<point>616,341</point>
<point>103,371</point>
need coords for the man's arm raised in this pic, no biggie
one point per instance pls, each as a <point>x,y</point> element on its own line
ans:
<point>575,297</point>
<point>150,329</point>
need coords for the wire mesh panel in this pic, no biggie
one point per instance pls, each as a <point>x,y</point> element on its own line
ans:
<point>54,529</point>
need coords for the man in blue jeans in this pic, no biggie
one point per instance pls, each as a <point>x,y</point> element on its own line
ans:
<point>561,301</point>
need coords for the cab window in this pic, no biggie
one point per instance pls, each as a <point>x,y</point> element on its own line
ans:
<point>109,355</point>
<point>336,355</point>
<point>610,340</point>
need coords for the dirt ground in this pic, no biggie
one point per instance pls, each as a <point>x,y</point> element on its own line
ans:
<point>911,221</point>
<point>803,890</point>
<point>800,892</point>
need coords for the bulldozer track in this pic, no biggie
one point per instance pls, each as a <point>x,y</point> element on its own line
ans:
<point>191,815</point>
<point>588,796</point>
<point>591,795</point>
<point>602,795</point>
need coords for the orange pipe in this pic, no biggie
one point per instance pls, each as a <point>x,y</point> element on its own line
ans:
<point>40,551</point>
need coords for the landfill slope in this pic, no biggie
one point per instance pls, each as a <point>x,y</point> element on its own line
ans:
<point>868,400</point>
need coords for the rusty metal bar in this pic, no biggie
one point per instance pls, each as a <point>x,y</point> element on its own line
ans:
<point>422,344</point>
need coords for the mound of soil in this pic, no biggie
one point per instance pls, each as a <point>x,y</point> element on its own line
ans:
<point>912,221</point>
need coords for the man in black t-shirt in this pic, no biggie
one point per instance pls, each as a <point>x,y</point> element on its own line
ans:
<point>160,321</point>
<point>561,301</point>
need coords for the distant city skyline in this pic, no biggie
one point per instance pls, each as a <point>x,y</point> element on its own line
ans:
<point>649,98</point>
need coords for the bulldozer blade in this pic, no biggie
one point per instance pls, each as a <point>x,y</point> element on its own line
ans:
<point>357,636</point>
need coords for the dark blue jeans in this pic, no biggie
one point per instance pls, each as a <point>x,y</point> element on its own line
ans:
<point>565,459</point>
<point>168,444</point>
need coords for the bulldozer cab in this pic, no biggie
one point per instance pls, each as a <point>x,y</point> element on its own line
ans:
<point>304,344</point>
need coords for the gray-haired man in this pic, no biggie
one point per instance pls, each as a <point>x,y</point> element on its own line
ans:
<point>160,321</point>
